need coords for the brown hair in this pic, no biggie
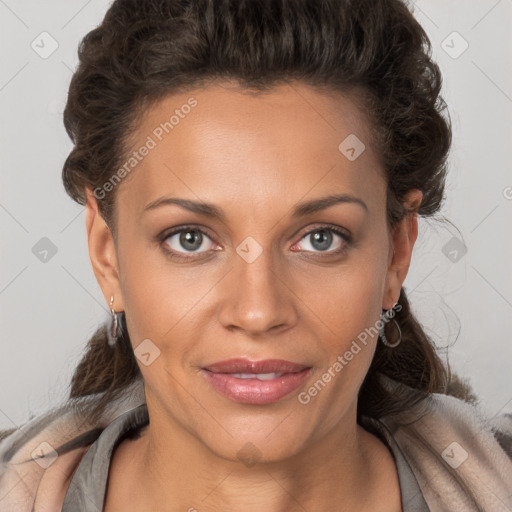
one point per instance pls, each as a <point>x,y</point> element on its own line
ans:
<point>146,49</point>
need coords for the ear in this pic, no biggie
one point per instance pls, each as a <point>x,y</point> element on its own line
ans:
<point>102,253</point>
<point>402,242</point>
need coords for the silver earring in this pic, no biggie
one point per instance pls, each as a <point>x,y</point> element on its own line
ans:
<point>114,326</point>
<point>385,316</point>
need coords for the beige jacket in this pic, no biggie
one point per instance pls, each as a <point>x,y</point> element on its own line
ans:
<point>461,459</point>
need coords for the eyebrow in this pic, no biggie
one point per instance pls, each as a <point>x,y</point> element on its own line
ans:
<point>300,210</point>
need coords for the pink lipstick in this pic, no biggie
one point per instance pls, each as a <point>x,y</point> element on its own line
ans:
<point>255,382</point>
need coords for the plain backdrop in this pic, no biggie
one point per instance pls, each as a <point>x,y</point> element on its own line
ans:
<point>460,282</point>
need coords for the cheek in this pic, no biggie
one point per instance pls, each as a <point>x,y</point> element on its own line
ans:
<point>349,304</point>
<point>165,303</point>
<point>347,298</point>
<point>349,313</point>
<point>146,288</point>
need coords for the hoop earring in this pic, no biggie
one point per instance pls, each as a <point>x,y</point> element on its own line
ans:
<point>114,326</point>
<point>384,317</point>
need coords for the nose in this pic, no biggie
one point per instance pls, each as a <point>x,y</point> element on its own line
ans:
<point>256,298</point>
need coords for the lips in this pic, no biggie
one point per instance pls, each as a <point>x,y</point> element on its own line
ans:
<point>241,365</point>
<point>255,382</point>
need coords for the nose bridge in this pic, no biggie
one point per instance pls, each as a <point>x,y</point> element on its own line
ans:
<point>256,299</point>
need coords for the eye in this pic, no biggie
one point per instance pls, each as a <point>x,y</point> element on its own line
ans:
<point>186,240</point>
<point>320,239</point>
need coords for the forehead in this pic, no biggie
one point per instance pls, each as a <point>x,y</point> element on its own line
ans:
<point>222,143</point>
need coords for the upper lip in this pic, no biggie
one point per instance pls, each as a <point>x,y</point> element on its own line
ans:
<point>242,365</point>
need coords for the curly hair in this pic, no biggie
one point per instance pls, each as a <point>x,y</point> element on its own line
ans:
<point>145,50</point>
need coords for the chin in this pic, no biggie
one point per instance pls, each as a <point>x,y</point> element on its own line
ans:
<point>264,441</point>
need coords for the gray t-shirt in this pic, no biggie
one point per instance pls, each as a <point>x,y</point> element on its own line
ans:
<point>86,492</point>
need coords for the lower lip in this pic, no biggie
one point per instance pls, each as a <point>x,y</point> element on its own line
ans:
<point>254,391</point>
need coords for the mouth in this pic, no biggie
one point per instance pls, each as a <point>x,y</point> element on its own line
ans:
<point>255,382</point>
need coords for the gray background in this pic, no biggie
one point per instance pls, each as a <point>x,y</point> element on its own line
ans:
<point>49,309</point>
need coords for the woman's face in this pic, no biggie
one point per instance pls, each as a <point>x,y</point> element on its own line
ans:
<point>264,278</point>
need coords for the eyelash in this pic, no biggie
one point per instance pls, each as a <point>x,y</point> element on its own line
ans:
<point>347,239</point>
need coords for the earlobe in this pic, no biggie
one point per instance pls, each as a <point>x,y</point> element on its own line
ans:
<point>102,252</point>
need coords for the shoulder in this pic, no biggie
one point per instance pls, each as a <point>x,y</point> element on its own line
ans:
<point>476,424</point>
<point>501,427</point>
<point>38,459</point>
<point>453,446</point>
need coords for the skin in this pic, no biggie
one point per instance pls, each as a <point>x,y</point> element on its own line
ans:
<point>255,157</point>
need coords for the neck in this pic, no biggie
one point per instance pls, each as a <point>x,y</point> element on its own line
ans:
<point>343,470</point>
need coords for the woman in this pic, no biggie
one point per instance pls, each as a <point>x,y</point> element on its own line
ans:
<point>252,174</point>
